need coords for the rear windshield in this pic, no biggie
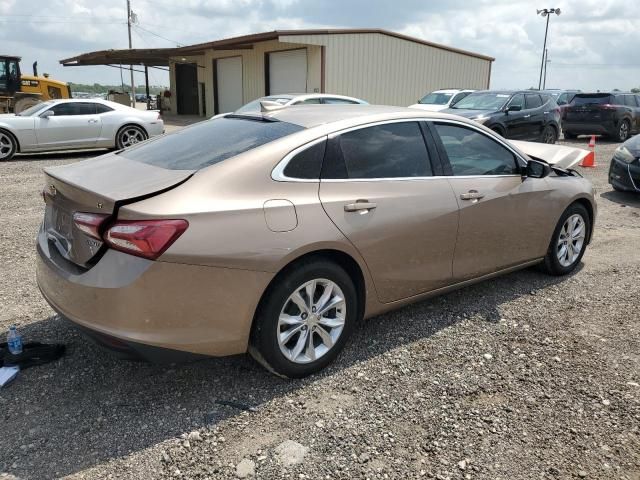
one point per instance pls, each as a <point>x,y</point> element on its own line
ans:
<point>209,142</point>
<point>436,98</point>
<point>596,99</point>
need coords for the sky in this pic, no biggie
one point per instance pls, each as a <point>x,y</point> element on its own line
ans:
<point>593,44</point>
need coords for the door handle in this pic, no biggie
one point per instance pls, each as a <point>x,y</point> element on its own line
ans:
<point>360,205</point>
<point>526,116</point>
<point>92,120</point>
<point>472,195</point>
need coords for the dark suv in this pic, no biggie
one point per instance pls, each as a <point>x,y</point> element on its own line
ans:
<point>616,115</point>
<point>519,115</point>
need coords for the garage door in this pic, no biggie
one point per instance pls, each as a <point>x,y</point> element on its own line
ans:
<point>288,72</point>
<point>228,84</point>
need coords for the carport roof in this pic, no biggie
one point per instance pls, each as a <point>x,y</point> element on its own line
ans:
<point>150,57</point>
<point>160,56</point>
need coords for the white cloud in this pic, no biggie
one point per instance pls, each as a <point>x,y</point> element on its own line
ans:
<point>592,45</point>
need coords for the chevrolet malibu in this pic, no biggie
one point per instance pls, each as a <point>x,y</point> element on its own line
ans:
<point>276,232</point>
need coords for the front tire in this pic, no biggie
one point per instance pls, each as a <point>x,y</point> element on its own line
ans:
<point>8,146</point>
<point>569,241</point>
<point>130,135</point>
<point>305,319</point>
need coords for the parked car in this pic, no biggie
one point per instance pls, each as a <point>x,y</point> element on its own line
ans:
<point>286,99</point>
<point>616,115</point>
<point>561,97</point>
<point>519,115</point>
<point>75,124</point>
<point>624,170</point>
<point>221,238</point>
<point>441,99</point>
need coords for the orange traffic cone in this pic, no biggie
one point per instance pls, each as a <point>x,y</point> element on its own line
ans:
<point>590,160</point>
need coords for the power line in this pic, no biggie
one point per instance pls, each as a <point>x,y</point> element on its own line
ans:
<point>156,35</point>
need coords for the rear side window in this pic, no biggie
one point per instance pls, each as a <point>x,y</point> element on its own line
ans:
<point>306,164</point>
<point>532,101</point>
<point>594,99</point>
<point>100,108</point>
<point>392,150</point>
<point>209,142</point>
<point>473,153</point>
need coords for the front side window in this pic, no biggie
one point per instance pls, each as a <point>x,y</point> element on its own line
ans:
<point>533,101</point>
<point>392,150</point>
<point>517,101</point>
<point>73,108</point>
<point>206,143</point>
<point>630,100</point>
<point>473,153</point>
<point>339,101</point>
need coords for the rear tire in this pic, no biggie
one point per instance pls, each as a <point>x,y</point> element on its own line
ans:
<point>130,135</point>
<point>568,242</point>
<point>290,336</point>
<point>623,131</point>
<point>8,146</point>
<point>549,135</point>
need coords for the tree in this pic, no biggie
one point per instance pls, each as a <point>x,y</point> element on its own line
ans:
<point>635,90</point>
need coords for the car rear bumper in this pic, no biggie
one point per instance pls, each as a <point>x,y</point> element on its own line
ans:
<point>133,301</point>
<point>589,128</point>
<point>624,176</point>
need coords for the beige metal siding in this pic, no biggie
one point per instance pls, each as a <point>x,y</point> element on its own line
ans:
<point>388,70</point>
<point>253,74</point>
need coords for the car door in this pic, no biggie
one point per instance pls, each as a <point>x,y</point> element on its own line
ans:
<point>534,117</point>
<point>72,125</point>
<point>514,120</point>
<point>378,187</point>
<point>503,219</point>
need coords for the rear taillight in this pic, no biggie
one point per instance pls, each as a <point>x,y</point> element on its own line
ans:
<point>144,238</point>
<point>89,223</point>
<point>608,107</point>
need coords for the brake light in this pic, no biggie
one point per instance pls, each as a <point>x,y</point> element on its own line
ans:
<point>89,223</point>
<point>144,238</point>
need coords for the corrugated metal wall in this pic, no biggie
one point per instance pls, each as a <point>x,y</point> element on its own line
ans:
<point>388,70</point>
<point>253,73</point>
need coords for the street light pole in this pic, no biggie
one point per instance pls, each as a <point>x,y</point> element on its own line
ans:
<point>133,88</point>
<point>546,12</point>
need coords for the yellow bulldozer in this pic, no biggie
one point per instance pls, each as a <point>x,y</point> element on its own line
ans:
<point>19,92</point>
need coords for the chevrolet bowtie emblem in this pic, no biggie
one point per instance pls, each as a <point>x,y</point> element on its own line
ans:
<point>52,190</point>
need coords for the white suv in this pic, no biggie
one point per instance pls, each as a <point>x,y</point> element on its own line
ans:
<point>441,99</point>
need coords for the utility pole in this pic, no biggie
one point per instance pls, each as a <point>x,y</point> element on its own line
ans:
<point>545,12</point>
<point>546,65</point>
<point>133,87</point>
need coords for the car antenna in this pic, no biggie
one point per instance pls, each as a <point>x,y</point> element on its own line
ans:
<point>267,106</point>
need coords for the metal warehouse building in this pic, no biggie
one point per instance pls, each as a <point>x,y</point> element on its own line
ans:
<point>379,66</point>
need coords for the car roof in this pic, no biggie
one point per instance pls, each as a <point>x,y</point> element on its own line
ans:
<point>310,116</point>
<point>114,105</point>
<point>303,96</point>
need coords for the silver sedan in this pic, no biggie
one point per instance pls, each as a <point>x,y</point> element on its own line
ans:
<point>75,124</point>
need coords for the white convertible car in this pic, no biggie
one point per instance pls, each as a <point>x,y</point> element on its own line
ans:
<point>75,124</point>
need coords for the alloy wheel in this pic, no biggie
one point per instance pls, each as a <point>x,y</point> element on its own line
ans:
<point>623,133</point>
<point>131,136</point>
<point>311,321</point>
<point>549,136</point>
<point>571,240</point>
<point>6,146</point>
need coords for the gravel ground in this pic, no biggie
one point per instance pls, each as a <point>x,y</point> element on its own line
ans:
<point>521,377</point>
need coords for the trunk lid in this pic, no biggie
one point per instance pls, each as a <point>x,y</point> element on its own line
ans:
<point>589,108</point>
<point>98,186</point>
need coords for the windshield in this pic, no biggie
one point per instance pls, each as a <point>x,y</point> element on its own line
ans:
<point>582,99</point>
<point>255,105</point>
<point>35,109</point>
<point>483,101</point>
<point>435,98</point>
<point>210,142</point>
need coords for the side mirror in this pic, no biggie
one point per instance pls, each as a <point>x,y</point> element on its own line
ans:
<point>47,114</point>
<point>514,108</point>
<point>537,169</point>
